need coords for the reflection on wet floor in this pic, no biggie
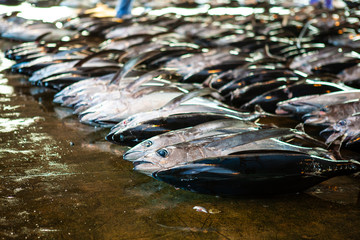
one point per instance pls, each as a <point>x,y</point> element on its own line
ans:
<point>60,179</point>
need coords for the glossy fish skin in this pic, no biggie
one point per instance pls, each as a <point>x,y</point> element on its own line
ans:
<point>188,134</point>
<point>350,76</point>
<point>72,91</point>
<point>245,94</point>
<point>96,90</point>
<point>29,68</point>
<point>268,101</point>
<point>305,62</point>
<point>130,101</point>
<point>335,68</point>
<point>201,76</point>
<point>331,114</point>
<point>217,81</point>
<point>114,110</point>
<point>306,104</point>
<point>23,47</point>
<point>134,135</point>
<point>188,103</point>
<point>267,172</point>
<point>193,106</point>
<point>293,51</point>
<point>189,65</point>
<point>256,78</point>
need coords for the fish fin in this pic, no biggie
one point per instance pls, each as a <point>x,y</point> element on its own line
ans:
<point>84,60</point>
<point>300,127</point>
<point>38,39</point>
<point>333,137</point>
<point>336,150</point>
<point>232,141</point>
<point>304,136</point>
<point>131,87</point>
<point>115,78</point>
<point>133,62</point>
<point>187,96</point>
<point>270,55</point>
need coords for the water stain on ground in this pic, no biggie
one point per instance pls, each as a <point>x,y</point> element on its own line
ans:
<point>60,179</point>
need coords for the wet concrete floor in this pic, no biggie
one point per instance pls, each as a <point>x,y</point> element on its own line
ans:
<point>60,179</point>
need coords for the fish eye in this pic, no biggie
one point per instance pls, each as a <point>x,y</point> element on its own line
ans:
<point>342,122</point>
<point>121,137</point>
<point>162,152</point>
<point>148,143</point>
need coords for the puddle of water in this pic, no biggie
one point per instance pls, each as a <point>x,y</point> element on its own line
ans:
<point>10,125</point>
<point>6,90</point>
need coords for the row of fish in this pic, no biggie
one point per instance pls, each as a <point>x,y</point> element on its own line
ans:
<point>189,93</point>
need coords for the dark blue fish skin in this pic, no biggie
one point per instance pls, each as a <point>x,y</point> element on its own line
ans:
<point>255,173</point>
<point>268,100</point>
<point>335,68</point>
<point>262,76</point>
<point>246,94</point>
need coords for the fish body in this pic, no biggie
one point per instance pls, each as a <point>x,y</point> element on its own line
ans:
<point>268,100</point>
<point>218,145</point>
<point>262,76</point>
<point>267,172</point>
<point>245,94</point>
<point>113,111</point>
<point>299,106</point>
<point>134,134</point>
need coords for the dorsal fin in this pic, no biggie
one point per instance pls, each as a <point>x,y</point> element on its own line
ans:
<point>248,137</point>
<point>133,62</point>
<point>131,87</point>
<point>103,52</point>
<point>187,96</point>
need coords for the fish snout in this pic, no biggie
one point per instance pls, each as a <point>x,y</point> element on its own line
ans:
<point>133,155</point>
<point>281,110</point>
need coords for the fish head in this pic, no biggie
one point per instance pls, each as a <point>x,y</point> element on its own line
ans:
<point>160,159</point>
<point>127,121</point>
<point>147,168</point>
<point>133,155</point>
<point>342,125</point>
<point>336,131</point>
<point>138,151</point>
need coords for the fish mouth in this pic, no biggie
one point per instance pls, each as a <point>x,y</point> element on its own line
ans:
<point>298,109</point>
<point>139,162</point>
<point>145,167</point>
<point>314,119</point>
<point>133,155</point>
<point>327,132</point>
<point>281,111</point>
<point>330,135</point>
